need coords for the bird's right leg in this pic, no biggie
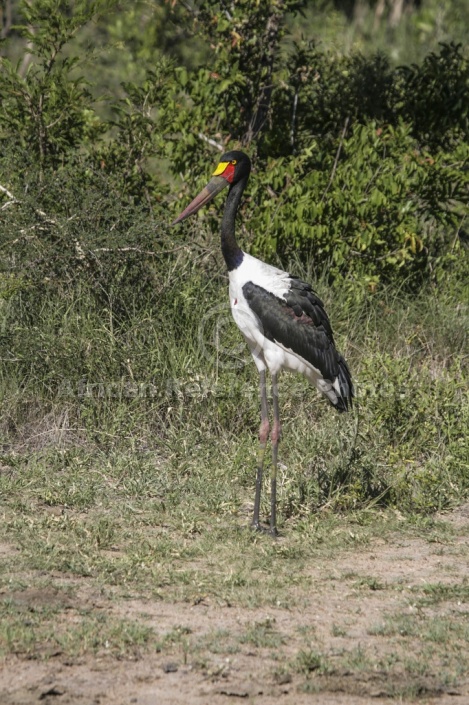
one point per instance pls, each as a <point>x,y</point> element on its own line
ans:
<point>263,437</point>
<point>275,437</point>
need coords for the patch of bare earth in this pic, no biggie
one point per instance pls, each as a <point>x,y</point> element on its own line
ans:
<point>333,647</point>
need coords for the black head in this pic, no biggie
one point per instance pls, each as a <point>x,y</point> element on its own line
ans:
<point>232,168</point>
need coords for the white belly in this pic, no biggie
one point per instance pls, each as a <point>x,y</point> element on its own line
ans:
<point>266,353</point>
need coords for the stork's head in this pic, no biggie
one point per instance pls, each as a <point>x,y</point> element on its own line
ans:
<point>233,167</point>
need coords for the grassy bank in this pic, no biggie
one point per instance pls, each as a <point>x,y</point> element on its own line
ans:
<point>164,393</point>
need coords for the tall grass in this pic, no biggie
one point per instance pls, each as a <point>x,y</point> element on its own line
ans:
<point>163,384</point>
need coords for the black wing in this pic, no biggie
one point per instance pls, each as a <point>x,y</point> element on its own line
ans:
<point>299,323</point>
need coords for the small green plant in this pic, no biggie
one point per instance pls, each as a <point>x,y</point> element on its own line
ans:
<point>263,635</point>
<point>338,630</point>
<point>309,661</point>
<point>370,583</point>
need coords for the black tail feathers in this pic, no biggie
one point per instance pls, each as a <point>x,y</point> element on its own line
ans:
<point>344,402</point>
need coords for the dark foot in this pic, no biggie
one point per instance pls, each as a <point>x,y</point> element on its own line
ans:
<point>272,531</point>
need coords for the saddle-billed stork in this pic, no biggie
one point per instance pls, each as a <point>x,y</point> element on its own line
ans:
<point>282,319</point>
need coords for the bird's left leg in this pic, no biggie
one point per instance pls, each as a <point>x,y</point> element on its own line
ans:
<point>275,437</point>
<point>263,436</point>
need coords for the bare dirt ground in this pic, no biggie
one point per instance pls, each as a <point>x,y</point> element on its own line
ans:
<point>348,615</point>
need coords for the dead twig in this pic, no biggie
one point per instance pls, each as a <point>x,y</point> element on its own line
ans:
<point>9,195</point>
<point>336,160</point>
<point>211,142</point>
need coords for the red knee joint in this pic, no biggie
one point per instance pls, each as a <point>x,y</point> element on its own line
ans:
<point>264,431</point>
<point>275,435</point>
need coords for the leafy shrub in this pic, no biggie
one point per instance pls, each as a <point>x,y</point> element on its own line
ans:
<point>382,210</point>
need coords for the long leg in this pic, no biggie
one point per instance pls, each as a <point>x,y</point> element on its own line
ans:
<point>275,437</point>
<point>263,436</point>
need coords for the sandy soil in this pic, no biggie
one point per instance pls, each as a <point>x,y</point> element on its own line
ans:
<point>252,673</point>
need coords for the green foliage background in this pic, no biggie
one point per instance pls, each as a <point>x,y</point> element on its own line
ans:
<point>114,330</point>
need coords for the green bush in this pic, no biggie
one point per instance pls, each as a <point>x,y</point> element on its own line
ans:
<point>382,210</point>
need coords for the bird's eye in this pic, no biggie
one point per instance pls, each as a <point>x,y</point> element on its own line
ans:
<point>233,161</point>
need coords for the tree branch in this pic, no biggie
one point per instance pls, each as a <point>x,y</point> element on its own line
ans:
<point>8,193</point>
<point>211,142</point>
